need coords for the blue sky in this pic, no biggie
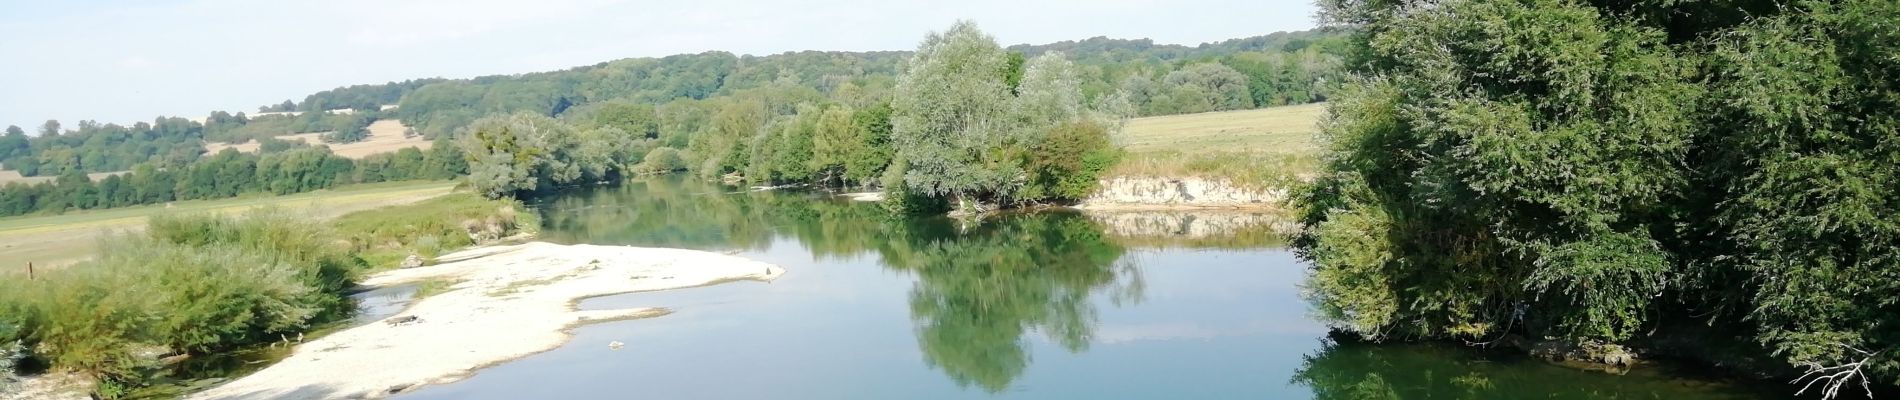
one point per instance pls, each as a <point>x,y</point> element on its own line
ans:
<point>125,61</point>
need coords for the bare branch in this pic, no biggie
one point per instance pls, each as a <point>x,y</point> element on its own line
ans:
<point>1833,378</point>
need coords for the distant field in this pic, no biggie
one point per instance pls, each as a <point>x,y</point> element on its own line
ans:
<point>1287,130</point>
<point>10,176</point>
<point>385,136</point>
<point>1265,146</point>
<point>57,240</point>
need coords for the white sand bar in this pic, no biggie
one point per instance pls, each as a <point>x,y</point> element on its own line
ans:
<point>512,301</point>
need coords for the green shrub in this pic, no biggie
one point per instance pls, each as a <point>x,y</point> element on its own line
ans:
<point>1066,165</point>
<point>661,160</point>
<point>111,318</point>
<point>312,249</point>
<point>385,236</point>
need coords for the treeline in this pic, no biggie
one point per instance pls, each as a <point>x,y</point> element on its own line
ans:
<point>965,122</point>
<point>339,126</point>
<point>1614,173</point>
<point>1283,68</point>
<point>360,98</point>
<point>165,142</point>
<point>93,147</point>
<point>228,174</point>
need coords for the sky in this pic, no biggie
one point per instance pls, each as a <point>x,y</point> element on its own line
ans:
<point>122,61</point>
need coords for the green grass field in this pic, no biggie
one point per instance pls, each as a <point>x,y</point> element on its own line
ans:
<point>1266,146</point>
<point>56,240</point>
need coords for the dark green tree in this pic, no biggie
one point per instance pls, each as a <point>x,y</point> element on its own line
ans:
<point>1605,171</point>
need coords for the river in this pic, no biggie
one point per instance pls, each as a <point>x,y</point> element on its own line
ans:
<point>1023,305</point>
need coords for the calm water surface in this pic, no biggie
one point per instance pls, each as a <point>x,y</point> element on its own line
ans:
<point>1042,305</point>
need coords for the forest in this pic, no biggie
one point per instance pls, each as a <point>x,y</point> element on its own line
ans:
<point>966,122</point>
<point>1708,181</point>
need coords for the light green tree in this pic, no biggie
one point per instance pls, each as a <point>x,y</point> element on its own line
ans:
<point>949,115</point>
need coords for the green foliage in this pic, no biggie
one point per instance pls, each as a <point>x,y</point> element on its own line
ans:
<point>192,284</point>
<point>1067,163</point>
<point>309,249</point>
<point>520,153</point>
<point>386,235</point>
<point>967,139</point>
<point>661,160</point>
<point>1589,173</point>
<point>228,174</point>
<point>200,284</point>
<point>866,157</point>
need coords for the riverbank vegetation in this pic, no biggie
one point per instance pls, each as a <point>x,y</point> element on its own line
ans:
<point>52,241</point>
<point>1598,173</point>
<point>201,284</point>
<point>965,135</point>
<point>963,124</point>
<point>386,236</point>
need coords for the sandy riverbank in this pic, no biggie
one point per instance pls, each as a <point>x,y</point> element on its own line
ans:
<point>512,301</point>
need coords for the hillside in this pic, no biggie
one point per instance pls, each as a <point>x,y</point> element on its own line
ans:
<point>385,136</point>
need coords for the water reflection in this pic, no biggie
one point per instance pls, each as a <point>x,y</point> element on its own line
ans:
<point>981,287</point>
<point>1158,305</point>
<point>1344,369</point>
<point>979,291</point>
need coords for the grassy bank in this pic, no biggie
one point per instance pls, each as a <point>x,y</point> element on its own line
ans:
<point>1264,147</point>
<point>385,236</point>
<point>207,283</point>
<point>55,240</point>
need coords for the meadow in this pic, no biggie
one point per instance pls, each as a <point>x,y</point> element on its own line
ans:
<point>1267,146</point>
<point>57,240</point>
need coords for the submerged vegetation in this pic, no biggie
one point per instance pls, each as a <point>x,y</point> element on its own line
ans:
<point>194,285</point>
<point>1599,172</point>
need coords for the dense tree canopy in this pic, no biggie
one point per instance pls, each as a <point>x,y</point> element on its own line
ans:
<point>1602,171</point>
<point>963,135</point>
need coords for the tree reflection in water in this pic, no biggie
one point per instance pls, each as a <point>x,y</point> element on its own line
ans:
<point>980,291</point>
<point>981,286</point>
<point>1347,369</point>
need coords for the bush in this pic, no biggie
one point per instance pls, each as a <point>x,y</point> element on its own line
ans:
<point>1066,164</point>
<point>112,318</point>
<point>312,249</point>
<point>661,160</point>
<point>384,236</point>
